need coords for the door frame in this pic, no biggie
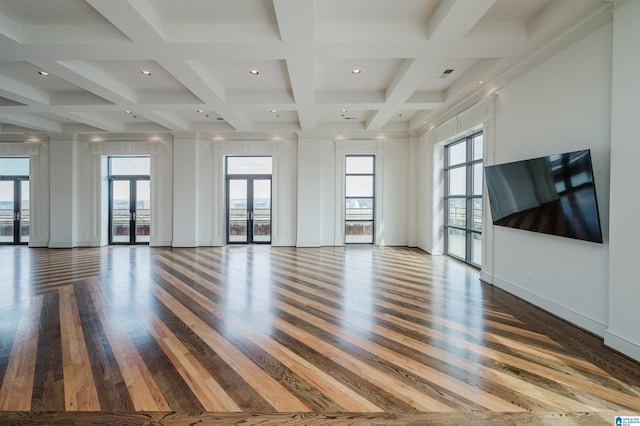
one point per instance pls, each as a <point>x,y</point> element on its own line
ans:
<point>17,208</point>
<point>250,178</point>
<point>132,179</point>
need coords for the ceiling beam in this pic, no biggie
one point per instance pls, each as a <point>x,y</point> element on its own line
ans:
<point>97,120</point>
<point>453,19</point>
<point>137,19</point>
<point>296,21</point>
<point>31,122</point>
<point>23,93</point>
<point>195,76</point>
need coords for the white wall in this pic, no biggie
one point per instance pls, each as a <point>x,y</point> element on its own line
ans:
<point>321,190</point>
<point>199,187</point>
<point>561,105</point>
<point>623,333</point>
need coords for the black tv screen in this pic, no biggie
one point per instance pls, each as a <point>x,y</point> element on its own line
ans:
<point>553,195</point>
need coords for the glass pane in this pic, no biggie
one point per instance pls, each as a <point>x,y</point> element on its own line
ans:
<point>477,147</point>
<point>457,181</point>
<point>359,186</point>
<point>14,167</point>
<point>457,212</point>
<point>456,242</point>
<point>249,165</point>
<point>130,166</point>
<point>238,210</point>
<point>476,249</point>
<point>120,213</point>
<point>7,214</point>
<point>359,232</point>
<point>359,164</point>
<point>477,179</point>
<point>24,211</point>
<point>476,224</point>
<point>359,209</point>
<point>143,211</point>
<point>457,153</point>
<point>262,210</point>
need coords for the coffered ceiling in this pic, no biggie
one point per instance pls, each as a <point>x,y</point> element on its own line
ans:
<point>243,66</point>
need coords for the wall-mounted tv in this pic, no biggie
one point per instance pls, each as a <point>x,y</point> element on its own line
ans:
<point>553,195</point>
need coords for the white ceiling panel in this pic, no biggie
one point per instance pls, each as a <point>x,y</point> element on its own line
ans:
<point>216,11</point>
<point>51,12</point>
<point>200,53</point>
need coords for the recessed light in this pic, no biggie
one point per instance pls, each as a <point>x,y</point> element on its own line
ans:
<point>343,110</point>
<point>273,111</point>
<point>254,72</point>
<point>356,71</point>
<point>480,82</point>
<point>146,73</point>
<point>199,111</point>
<point>127,112</point>
<point>44,73</point>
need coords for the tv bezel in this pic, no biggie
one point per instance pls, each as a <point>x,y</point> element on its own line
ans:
<point>599,238</point>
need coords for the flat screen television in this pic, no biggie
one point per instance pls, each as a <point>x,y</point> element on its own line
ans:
<point>553,195</point>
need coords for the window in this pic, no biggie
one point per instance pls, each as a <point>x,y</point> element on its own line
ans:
<point>130,200</point>
<point>463,199</point>
<point>249,200</point>
<point>14,201</point>
<point>359,198</point>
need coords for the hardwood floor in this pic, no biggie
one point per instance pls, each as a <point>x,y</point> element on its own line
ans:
<point>262,335</point>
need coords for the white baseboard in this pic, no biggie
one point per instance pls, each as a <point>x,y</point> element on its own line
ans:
<point>486,277</point>
<point>563,312</point>
<point>61,244</point>
<point>303,244</point>
<point>39,244</point>
<point>622,344</point>
<point>184,244</point>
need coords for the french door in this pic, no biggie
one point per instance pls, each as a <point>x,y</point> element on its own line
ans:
<point>129,211</point>
<point>14,210</point>
<point>249,209</point>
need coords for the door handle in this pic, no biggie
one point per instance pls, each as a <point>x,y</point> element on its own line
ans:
<point>17,216</point>
<point>251,215</point>
<point>133,216</point>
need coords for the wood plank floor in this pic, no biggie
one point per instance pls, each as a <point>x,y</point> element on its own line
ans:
<point>266,335</point>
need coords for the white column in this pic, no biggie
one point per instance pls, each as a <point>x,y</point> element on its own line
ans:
<point>185,202</point>
<point>309,231</point>
<point>63,154</point>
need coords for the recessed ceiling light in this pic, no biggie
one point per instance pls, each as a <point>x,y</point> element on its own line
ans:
<point>356,71</point>
<point>273,111</point>
<point>343,110</point>
<point>127,112</point>
<point>199,111</point>
<point>145,72</point>
<point>254,72</point>
<point>44,73</point>
<point>480,82</point>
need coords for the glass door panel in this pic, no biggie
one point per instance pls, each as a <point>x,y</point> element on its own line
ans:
<point>7,212</point>
<point>238,211</point>
<point>120,211</point>
<point>261,210</point>
<point>25,218</point>
<point>143,211</point>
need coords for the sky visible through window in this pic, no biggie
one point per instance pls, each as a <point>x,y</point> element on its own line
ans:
<point>11,167</point>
